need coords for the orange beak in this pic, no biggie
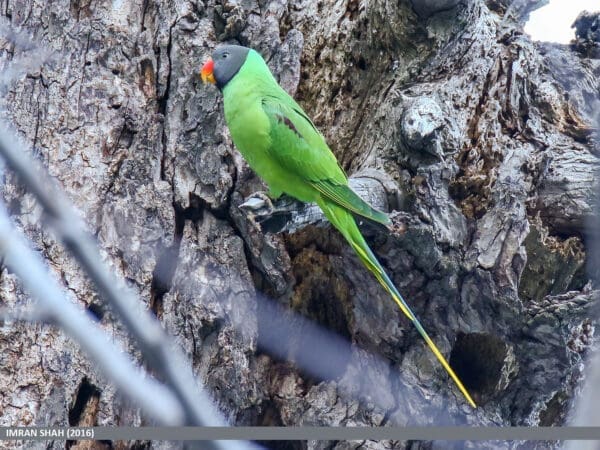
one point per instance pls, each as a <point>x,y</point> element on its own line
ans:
<point>206,73</point>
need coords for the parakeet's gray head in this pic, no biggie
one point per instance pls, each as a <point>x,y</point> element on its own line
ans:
<point>225,63</point>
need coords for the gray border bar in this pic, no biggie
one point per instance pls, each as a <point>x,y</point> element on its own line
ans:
<point>449,433</point>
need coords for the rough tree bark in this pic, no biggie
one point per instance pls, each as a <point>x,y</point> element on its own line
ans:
<point>482,140</point>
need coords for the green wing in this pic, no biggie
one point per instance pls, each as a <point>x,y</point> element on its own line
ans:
<point>299,148</point>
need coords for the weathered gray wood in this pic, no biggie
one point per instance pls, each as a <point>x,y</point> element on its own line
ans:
<point>468,117</point>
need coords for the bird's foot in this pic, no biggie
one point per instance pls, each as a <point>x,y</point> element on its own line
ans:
<point>259,205</point>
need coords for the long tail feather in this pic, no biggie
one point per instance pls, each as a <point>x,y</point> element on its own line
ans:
<point>345,223</point>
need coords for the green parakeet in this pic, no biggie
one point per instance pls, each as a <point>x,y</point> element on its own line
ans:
<point>282,145</point>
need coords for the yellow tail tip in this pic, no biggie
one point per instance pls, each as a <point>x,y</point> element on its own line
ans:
<point>373,265</point>
<point>449,369</point>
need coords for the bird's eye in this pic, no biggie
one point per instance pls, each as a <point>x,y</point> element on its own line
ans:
<point>225,55</point>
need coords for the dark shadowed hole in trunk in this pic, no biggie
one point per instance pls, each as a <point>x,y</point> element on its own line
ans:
<point>286,337</point>
<point>477,359</point>
<point>85,393</point>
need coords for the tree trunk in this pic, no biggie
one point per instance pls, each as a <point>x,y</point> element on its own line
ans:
<point>482,140</point>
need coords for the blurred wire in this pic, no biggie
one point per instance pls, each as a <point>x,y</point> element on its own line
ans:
<point>586,410</point>
<point>27,56</point>
<point>161,354</point>
<point>359,373</point>
<point>79,325</point>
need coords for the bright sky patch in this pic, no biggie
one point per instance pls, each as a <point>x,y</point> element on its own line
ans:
<point>553,22</point>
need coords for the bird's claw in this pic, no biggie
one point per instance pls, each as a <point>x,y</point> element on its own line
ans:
<point>259,205</point>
